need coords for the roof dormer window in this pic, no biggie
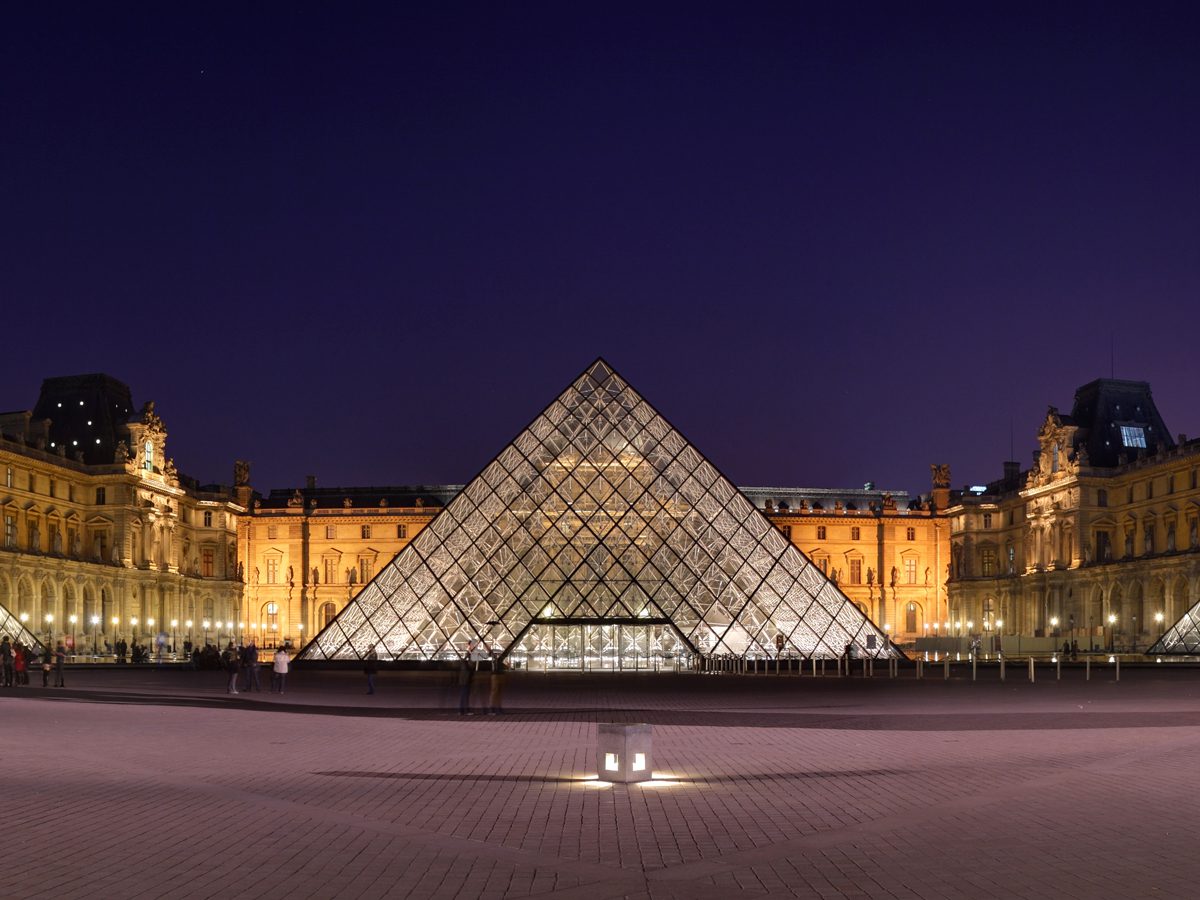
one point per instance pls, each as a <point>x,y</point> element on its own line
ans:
<point>1133,436</point>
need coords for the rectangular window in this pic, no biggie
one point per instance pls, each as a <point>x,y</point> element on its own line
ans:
<point>71,492</point>
<point>911,534</point>
<point>366,532</point>
<point>1133,436</point>
<point>787,531</point>
<point>823,564</point>
<point>1101,497</point>
<point>208,518</point>
<point>855,535</point>
<point>330,532</point>
<point>101,496</point>
<point>272,531</point>
<point>32,482</point>
<point>51,489</point>
<point>8,477</point>
<point>1150,489</point>
<point>856,571</point>
<point>987,559</point>
<point>206,562</point>
<point>987,520</point>
<point>402,531</point>
<point>820,532</point>
<point>910,570</point>
<point>364,570</point>
<point>10,531</point>
<point>1103,547</point>
<point>330,571</point>
<point>272,570</point>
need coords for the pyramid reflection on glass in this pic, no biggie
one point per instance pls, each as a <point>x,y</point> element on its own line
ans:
<point>599,530</point>
<point>11,627</point>
<point>1182,638</point>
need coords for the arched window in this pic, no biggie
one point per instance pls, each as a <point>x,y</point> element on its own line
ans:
<point>910,618</point>
<point>148,463</point>
<point>328,611</point>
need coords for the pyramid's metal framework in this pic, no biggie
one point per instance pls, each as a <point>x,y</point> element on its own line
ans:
<point>11,627</point>
<point>599,514</point>
<point>1182,638</point>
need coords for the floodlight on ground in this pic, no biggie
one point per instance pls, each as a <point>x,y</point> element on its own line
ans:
<point>623,752</point>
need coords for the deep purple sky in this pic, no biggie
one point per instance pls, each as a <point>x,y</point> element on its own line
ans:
<point>831,242</point>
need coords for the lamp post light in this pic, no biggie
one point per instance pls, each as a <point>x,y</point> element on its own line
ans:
<point>206,623</point>
<point>133,628</point>
<point>1054,624</point>
<point>49,630</point>
<point>116,620</point>
<point>188,623</point>
<point>174,625</point>
<point>1112,627</point>
<point>72,618</point>
<point>95,636</point>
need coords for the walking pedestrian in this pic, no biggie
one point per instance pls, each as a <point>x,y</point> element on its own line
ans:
<point>230,660</point>
<point>20,665</point>
<point>370,667</point>
<point>279,671</point>
<point>466,674</point>
<point>499,671</point>
<point>60,659</point>
<point>6,661</point>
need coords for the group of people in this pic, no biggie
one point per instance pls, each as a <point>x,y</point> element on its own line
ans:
<point>243,667</point>
<point>16,660</point>
<point>468,667</point>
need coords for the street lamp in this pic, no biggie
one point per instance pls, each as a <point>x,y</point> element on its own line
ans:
<point>1158,618</point>
<point>72,618</point>
<point>174,625</point>
<point>206,623</point>
<point>95,636</point>
<point>49,630</point>
<point>188,623</point>
<point>1054,624</point>
<point>1112,623</point>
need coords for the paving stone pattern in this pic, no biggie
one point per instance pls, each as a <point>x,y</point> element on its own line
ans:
<point>154,783</point>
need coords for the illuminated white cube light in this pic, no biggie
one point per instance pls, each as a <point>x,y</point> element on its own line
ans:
<point>623,752</point>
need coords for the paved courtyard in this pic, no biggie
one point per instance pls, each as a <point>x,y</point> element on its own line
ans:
<point>155,783</point>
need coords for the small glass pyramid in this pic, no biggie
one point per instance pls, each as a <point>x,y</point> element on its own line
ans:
<point>11,627</point>
<point>600,537</point>
<point>1182,638</point>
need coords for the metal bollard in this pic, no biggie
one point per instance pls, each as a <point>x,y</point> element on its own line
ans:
<point>1031,674</point>
<point>1088,669</point>
<point>814,665</point>
<point>946,667</point>
<point>869,667</point>
<point>1001,668</point>
<point>1118,668</point>
<point>1058,668</point>
<point>920,668</point>
<point>972,666</point>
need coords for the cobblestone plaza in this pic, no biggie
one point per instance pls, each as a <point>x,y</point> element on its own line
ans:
<point>151,783</point>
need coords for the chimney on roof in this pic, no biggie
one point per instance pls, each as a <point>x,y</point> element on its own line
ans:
<point>310,482</point>
<point>1012,473</point>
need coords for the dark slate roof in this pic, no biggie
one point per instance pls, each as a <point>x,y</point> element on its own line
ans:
<point>72,401</point>
<point>1103,406</point>
<point>431,496</point>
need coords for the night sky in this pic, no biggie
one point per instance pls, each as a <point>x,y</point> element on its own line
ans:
<point>831,242</point>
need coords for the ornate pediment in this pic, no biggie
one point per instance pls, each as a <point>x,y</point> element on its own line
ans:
<point>1057,457</point>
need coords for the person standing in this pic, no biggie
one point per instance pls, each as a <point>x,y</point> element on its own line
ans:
<point>19,665</point>
<point>60,659</point>
<point>230,659</point>
<point>250,661</point>
<point>466,674</point>
<point>279,671</point>
<point>499,671</point>
<point>6,661</point>
<point>370,667</point>
<point>849,659</point>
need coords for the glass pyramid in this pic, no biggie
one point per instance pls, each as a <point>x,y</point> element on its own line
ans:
<point>1182,638</point>
<point>11,627</point>
<point>599,533</point>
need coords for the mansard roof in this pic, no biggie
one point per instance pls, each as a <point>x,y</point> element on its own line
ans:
<point>1115,418</point>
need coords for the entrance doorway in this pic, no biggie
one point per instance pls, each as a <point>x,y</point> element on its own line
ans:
<point>600,645</point>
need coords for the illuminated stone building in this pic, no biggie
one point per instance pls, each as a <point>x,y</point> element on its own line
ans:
<point>1096,541</point>
<point>102,537</point>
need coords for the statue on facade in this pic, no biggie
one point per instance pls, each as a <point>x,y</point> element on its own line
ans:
<point>291,578</point>
<point>169,472</point>
<point>927,573</point>
<point>419,502</point>
<point>316,575</point>
<point>870,575</point>
<point>241,572</point>
<point>35,537</point>
<point>297,499</point>
<point>347,502</point>
<point>241,472</point>
<point>77,546</point>
<point>121,455</point>
<point>940,473</point>
<point>895,576</point>
<point>57,542</point>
